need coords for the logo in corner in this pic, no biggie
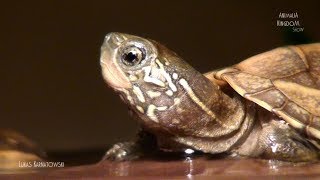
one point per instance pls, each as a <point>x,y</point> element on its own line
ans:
<point>290,19</point>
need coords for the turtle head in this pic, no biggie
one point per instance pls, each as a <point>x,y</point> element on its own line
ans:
<point>156,83</point>
<point>122,57</point>
<point>142,71</point>
<point>166,94</point>
<point>137,67</point>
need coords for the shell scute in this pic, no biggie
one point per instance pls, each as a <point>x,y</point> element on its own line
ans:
<point>247,83</point>
<point>278,60</point>
<point>297,112</point>
<point>305,97</point>
<point>285,81</point>
<point>266,98</point>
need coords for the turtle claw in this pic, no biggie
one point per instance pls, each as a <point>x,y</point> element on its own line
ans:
<point>125,151</point>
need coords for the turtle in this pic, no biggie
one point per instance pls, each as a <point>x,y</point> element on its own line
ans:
<point>18,153</point>
<point>266,106</point>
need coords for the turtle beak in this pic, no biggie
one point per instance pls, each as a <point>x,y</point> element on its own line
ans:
<point>111,71</point>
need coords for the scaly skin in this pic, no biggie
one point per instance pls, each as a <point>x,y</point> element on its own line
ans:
<point>183,109</point>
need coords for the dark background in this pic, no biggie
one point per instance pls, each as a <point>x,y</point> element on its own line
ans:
<point>51,88</point>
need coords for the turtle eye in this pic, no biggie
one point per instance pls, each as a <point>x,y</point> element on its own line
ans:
<point>132,55</point>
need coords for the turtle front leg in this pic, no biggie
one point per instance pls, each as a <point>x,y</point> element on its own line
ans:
<point>277,140</point>
<point>282,142</point>
<point>144,144</point>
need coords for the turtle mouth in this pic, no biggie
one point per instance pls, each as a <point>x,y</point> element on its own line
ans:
<point>112,73</point>
<point>113,77</point>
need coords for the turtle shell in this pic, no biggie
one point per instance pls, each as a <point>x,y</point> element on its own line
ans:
<point>285,81</point>
<point>16,148</point>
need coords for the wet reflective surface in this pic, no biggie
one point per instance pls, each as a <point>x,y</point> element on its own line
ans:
<point>184,169</point>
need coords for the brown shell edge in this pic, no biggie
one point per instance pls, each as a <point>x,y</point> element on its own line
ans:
<point>228,75</point>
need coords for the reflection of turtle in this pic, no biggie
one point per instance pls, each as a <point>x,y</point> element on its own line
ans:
<point>266,106</point>
<point>18,152</point>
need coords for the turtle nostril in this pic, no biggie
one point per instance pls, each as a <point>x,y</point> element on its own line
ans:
<point>114,38</point>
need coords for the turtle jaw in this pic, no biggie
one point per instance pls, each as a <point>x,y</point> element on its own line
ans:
<point>112,73</point>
